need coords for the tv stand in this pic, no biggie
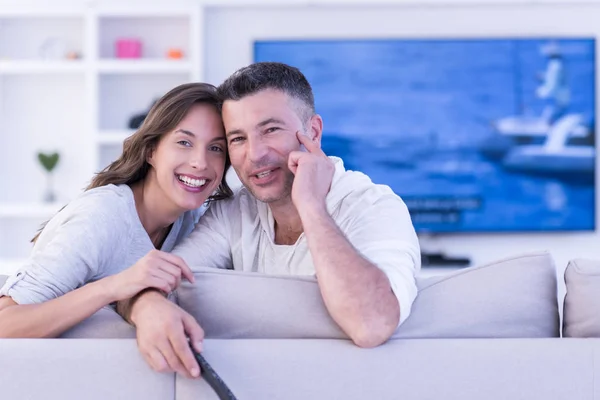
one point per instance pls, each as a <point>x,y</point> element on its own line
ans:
<point>441,260</point>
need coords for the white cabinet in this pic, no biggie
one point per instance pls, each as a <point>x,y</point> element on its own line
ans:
<point>63,89</point>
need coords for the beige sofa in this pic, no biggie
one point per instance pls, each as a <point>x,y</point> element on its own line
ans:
<point>488,332</point>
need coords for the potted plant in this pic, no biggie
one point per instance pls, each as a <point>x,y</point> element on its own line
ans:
<point>49,162</point>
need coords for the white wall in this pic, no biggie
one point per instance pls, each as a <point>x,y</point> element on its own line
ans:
<point>231,28</point>
<point>230,31</point>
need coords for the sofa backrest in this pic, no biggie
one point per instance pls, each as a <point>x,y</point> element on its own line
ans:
<point>514,297</point>
<point>581,312</point>
<point>105,323</point>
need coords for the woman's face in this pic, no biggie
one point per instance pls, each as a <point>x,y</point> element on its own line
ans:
<point>188,162</point>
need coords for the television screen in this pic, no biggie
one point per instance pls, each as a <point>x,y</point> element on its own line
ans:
<point>474,134</point>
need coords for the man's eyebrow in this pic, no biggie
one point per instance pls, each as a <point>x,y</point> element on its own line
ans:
<point>270,121</point>
<point>259,125</point>
<point>234,132</point>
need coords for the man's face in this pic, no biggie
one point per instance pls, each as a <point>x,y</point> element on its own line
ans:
<point>261,133</point>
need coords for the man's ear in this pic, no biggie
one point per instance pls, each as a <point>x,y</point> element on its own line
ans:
<point>315,128</point>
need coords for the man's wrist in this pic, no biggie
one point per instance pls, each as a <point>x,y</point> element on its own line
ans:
<point>313,216</point>
<point>313,211</point>
<point>139,301</point>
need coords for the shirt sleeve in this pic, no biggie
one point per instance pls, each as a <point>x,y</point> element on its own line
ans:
<point>208,245</point>
<point>67,256</point>
<point>383,233</point>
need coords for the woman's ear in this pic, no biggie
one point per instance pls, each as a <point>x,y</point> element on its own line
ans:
<point>150,155</point>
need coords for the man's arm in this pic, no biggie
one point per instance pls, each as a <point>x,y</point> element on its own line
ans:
<point>162,326</point>
<point>366,273</point>
<point>356,292</point>
<point>162,334</point>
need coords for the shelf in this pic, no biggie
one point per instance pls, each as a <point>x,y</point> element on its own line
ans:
<point>155,10</point>
<point>114,137</point>
<point>20,67</point>
<point>124,96</point>
<point>29,210</point>
<point>140,66</point>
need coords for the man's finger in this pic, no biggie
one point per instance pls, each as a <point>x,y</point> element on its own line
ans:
<point>182,348</point>
<point>194,331</point>
<point>294,159</point>
<point>156,360</point>
<point>179,262</point>
<point>184,356</point>
<point>311,145</point>
<point>170,355</point>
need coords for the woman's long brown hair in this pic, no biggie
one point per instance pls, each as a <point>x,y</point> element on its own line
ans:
<point>164,116</point>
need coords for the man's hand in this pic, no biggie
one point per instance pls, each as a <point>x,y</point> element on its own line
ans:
<point>161,335</point>
<point>313,172</point>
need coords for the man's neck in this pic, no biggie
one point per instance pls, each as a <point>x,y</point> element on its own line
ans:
<point>288,225</point>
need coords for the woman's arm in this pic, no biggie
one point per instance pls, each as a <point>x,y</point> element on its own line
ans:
<point>53,317</point>
<point>157,269</point>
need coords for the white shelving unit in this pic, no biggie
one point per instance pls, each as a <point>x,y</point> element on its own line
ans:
<point>113,137</point>
<point>23,67</point>
<point>29,210</point>
<point>143,67</point>
<point>58,63</point>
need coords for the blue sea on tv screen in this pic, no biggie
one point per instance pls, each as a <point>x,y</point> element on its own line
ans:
<point>474,134</point>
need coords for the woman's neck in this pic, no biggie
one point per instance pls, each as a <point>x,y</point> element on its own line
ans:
<point>152,209</point>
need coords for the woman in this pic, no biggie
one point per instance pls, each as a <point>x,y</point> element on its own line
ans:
<point>113,240</point>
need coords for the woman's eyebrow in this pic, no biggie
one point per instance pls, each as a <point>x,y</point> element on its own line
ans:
<point>186,132</point>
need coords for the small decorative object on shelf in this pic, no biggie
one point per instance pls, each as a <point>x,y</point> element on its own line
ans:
<point>137,119</point>
<point>73,55</point>
<point>53,48</point>
<point>128,48</point>
<point>49,162</point>
<point>175,53</point>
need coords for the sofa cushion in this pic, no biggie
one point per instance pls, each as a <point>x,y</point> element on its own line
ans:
<point>232,304</point>
<point>104,324</point>
<point>514,297</point>
<point>581,312</point>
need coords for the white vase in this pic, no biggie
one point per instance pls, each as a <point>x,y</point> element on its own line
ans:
<point>49,195</point>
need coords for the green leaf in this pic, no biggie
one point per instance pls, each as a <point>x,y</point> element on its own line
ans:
<point>48,161</point>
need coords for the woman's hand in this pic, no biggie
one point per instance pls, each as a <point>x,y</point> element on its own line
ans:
<point>157,269</point>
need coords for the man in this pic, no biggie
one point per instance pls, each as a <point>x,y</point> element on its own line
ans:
<point>299,212</point>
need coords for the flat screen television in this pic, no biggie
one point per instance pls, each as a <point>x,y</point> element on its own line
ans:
<point>475,135</point>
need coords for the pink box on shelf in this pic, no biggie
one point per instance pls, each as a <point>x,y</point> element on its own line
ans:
<point>128,48</point>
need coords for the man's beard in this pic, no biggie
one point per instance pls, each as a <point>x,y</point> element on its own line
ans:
<point>272,198</point>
